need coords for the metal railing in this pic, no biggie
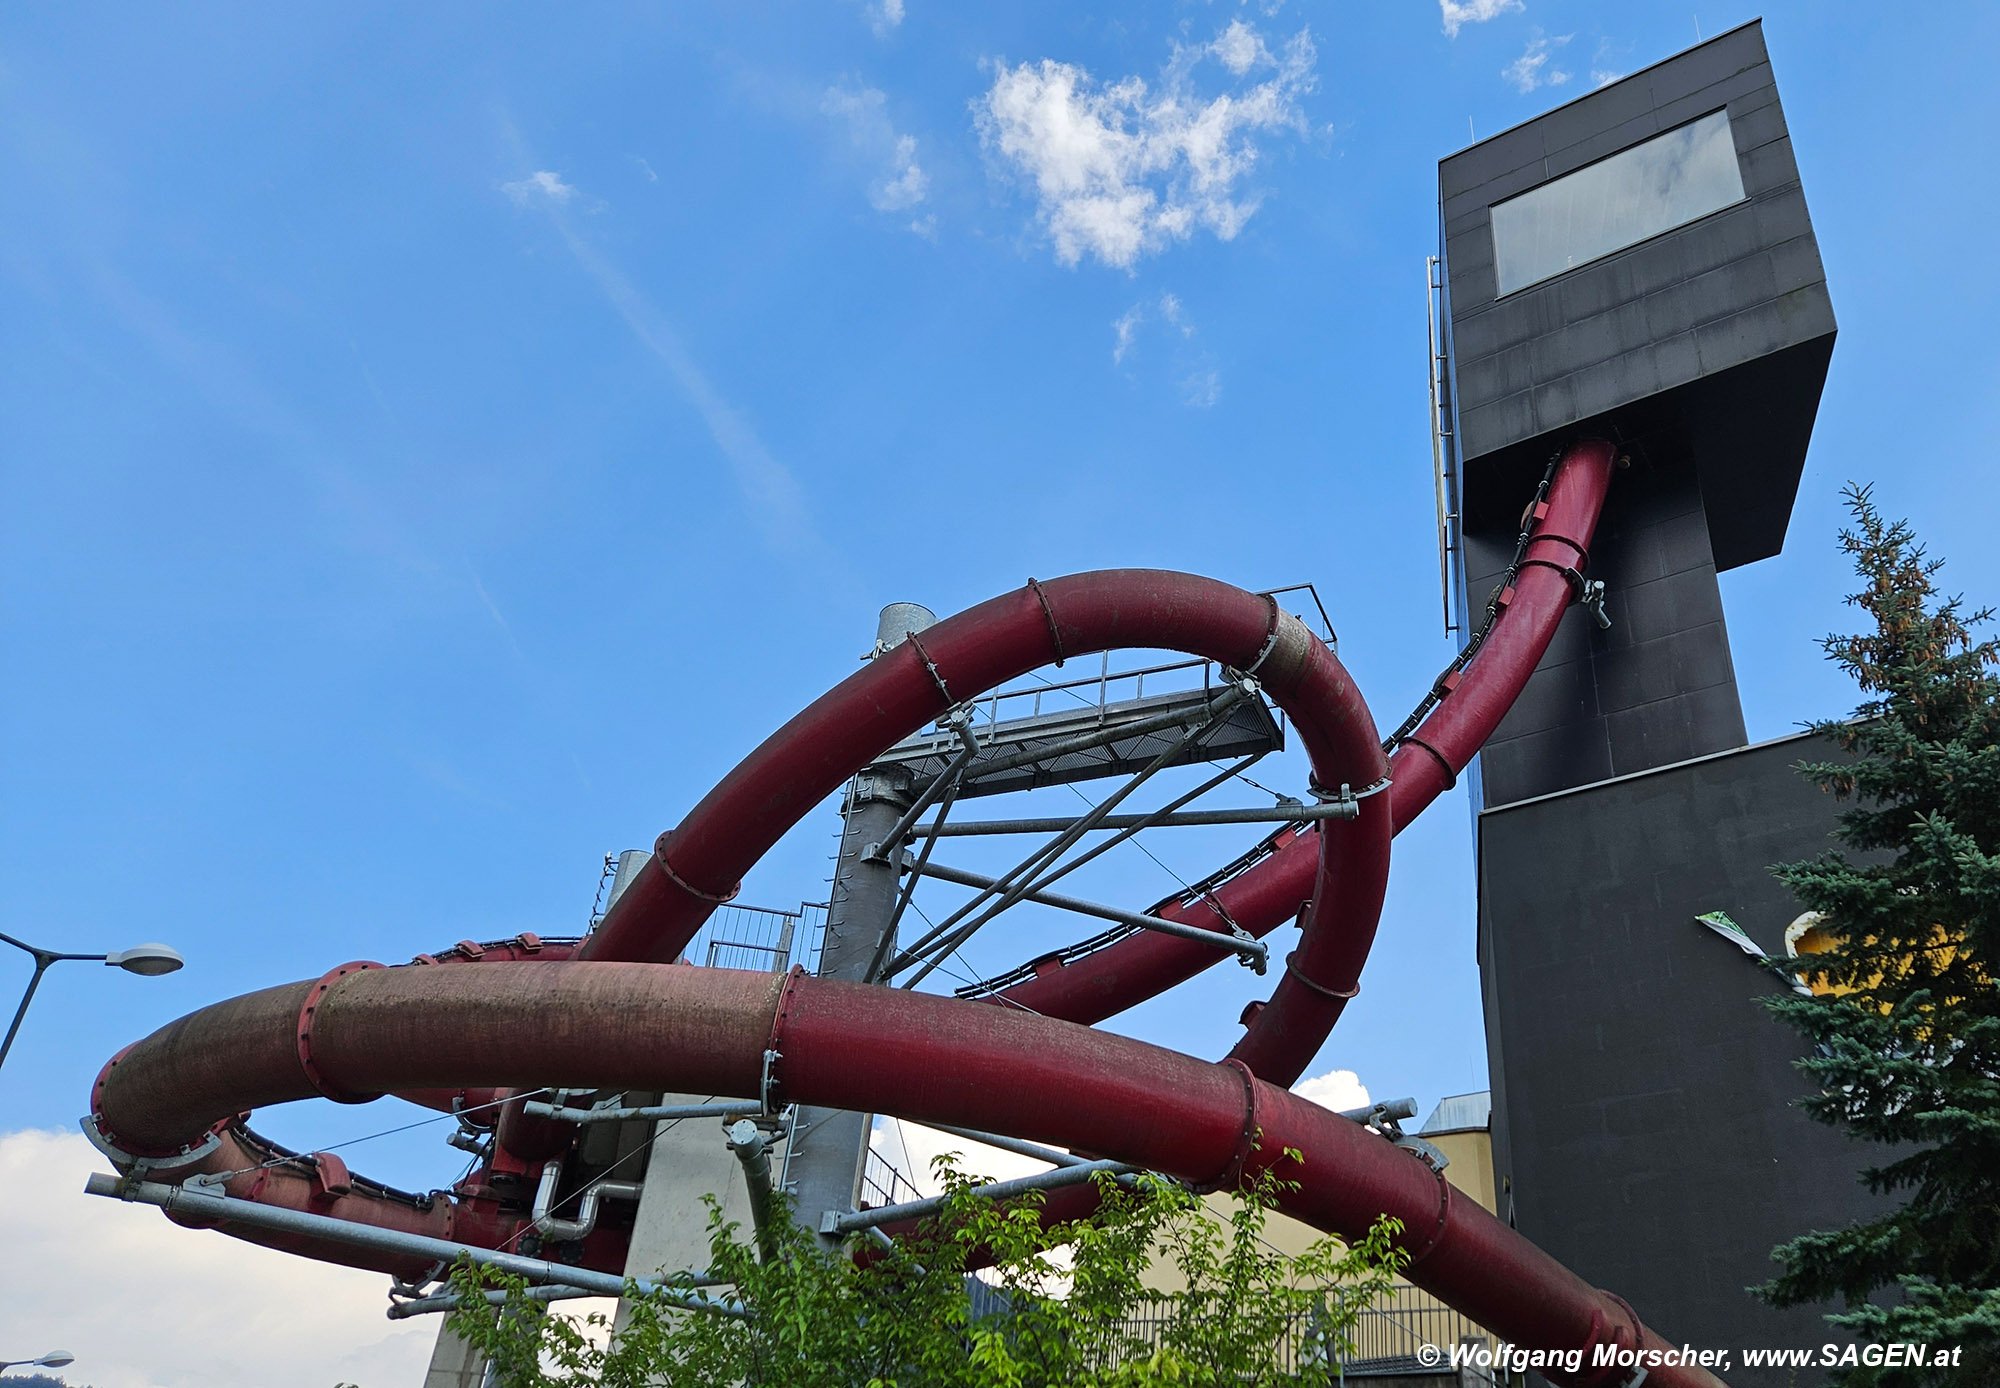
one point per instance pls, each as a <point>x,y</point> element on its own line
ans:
<point>1385,1338</point>
<point>1108,686</point>
<point>883,1184</point>
<point>1388,1335</point>
<point>1443,445</point>
<point>759,938</point>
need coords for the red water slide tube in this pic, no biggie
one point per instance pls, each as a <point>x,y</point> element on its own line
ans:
<point>696,866</point>
<point>1424,766</point>
<point>175,1100</point>
<point>921,1057</point>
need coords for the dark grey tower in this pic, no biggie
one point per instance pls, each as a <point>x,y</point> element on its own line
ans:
<point>1637,262</point>
<point>1639,265</point>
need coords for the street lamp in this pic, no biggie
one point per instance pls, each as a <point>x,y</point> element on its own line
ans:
<point>55,1358</point>
<point>148,960</point>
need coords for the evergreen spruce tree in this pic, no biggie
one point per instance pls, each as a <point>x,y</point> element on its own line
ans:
<point>1905,1020</point>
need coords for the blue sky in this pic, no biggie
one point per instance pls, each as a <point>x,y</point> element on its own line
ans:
<point>440,441</point>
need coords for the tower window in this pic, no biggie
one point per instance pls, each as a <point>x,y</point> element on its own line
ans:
<point>1619,201</point>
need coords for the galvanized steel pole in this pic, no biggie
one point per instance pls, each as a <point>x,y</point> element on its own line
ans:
<point>829,1147</point>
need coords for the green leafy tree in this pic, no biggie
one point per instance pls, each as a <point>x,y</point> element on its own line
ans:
<point>900,1316</point>
<point>1905,1017</point>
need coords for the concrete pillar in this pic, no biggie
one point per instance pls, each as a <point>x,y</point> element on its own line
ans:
<point>690,1159</point>
<point>454,1363</point>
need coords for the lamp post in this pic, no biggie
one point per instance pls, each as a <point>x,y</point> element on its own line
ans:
<point>148,960</point>
<point>55,1358</point>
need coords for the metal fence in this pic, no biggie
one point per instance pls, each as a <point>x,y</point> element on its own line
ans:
<point>1384,1340</point>
<point>1388,1334</point>
<point>883,1184</point>
<point>1036,694</point>
<point>759,938</point>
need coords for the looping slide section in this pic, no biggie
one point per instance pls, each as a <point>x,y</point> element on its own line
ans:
<point>508,1023</point>
<point>897,694</point>
<point>1425,765</point>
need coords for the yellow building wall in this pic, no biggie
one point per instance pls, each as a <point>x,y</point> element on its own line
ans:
<point>1469,1154</point>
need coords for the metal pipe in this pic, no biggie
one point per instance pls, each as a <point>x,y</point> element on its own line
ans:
<point>451,1301</point>
<point>1277,814</point>
<point>997,1190</point>
<point>1392,1110</point>
<point>42,963</point>
<point>1185,797</point>
<point>1019,1148</point>
<point>1249,949</point>
<point>928,796</point>
<point>568,1230</point>
<point>728,1108</point>
<point>752,1146</point>
<point>201,1206</point>
<point>1015,884</point>
<point>880,962</point>
<point>1010,885</point>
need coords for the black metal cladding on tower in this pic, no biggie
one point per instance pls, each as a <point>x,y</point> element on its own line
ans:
<point>1637,263</point>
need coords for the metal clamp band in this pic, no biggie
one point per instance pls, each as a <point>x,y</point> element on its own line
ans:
<point>1347,795</point>
<point>1231,1175</point>
<point>1570,575</point>
<point>1436,1232</point>
<point>302,1033</point>
<point>660,857</point>
<point>1055,635</point>
<point>135,1165</point>
<point>931,665</point>
<point>1270,638</point>
<point>1292,968</point>
<point>774,1044</point>
<point>1582,554</point>
<point>1450,773</point>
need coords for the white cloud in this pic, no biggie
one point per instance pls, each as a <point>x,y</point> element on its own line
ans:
<point>1125,328</point>
<point>900,182</point>
<point>1531,69</point>
<point>905,185</point>
<point>1459,13</point>
<point>1602,69</point>
<point>1240,48</point>
<point>1336,1090</point>
<point>884,16</point>
<point>1124,169</point>
<point>144,1303</point>
<point>543,185</point>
